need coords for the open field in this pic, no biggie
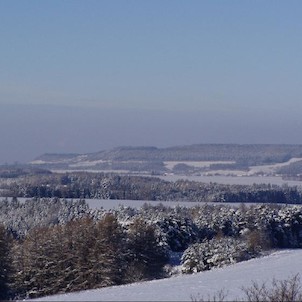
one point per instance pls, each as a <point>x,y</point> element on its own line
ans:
<point>234,180</point>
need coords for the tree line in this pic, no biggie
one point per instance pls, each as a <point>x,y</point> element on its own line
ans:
<point>81,254</point>
<point>113,186</point>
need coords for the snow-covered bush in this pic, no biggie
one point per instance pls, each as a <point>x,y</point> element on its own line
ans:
<point>214,253</point>
<point>214,219</point>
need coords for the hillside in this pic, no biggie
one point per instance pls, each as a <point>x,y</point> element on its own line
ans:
<point>280,265</point>
<point>189,159</point>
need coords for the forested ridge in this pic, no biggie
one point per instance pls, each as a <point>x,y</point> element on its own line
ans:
<point>153,160</point>
<point>252,154</point>
<point>113,186</point>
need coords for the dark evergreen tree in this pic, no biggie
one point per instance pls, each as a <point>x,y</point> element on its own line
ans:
<point>146,257</point>
<point>5,267</point>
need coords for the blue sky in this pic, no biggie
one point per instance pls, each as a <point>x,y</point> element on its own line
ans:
<point>224,60</point>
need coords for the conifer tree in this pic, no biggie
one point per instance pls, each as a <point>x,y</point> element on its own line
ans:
<point>146,256</point>
<point>5,267</point>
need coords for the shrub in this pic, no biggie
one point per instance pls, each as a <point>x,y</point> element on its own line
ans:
<point>289,290</point>
<point>214,253</point>
<point>258,240</point>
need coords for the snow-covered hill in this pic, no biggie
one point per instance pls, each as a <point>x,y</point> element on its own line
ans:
<point>208,159</point>
<point>280,265</point>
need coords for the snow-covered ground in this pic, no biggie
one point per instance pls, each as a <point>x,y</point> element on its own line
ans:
<point>234,180</point>
<point>268,169</point>
<point>108,204</point>
<point>280,265</point>
<point>255,174</point>
<point>197,164</point>
<point>253,170</point>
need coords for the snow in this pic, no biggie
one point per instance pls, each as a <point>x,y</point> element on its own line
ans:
<point>253,170</point>
<point>197,164</point>
<point>280,265</point>
<point>272,168</point>
<point>108,204</point>
<point>234,180</point>
<point>87,163</point>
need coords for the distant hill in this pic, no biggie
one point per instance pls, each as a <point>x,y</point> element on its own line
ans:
<point>187,159</point>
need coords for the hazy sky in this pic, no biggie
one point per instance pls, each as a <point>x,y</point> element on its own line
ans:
<point>149,72</point>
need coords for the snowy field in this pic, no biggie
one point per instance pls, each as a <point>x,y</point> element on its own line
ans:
<point>197,164</point>
<point>108,204</point>
<point>280,265</point>
<point>235,180</point>
<point>231,177</point>
<point>111,204</point>
<point>221,179</point>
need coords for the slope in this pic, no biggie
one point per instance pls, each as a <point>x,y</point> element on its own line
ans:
<point>280,265</point>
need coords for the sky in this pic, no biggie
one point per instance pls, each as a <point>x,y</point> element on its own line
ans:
<point>87,75</point>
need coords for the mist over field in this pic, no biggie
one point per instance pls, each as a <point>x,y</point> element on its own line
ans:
<point>80,77</point>
<point>28,131</point>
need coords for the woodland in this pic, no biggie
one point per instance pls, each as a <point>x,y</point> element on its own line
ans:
<point>55,245</point>
<point>114,186</point>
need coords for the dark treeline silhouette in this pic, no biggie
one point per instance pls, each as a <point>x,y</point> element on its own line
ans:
<point>112,186</point>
